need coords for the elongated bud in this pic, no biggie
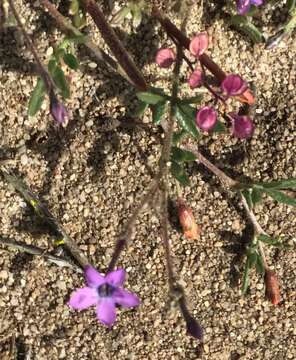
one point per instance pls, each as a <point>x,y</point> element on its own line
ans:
<point>187,221</point>
<point>57,109</point>
<point>165,57</point>
<point>272,287</point>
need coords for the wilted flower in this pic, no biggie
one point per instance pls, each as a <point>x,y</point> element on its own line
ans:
<point>199,44</point>
<point>243,6</point>
<point>196,79</point>
<point>105,292</point>
<point>206,118</point>
<point>242,126</point>
<point>165,57</point>
<point>272,287</point>
<point>234,85</point>
<point>57,109</point>
<point>187,221</point>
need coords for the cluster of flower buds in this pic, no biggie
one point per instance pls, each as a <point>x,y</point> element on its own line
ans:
<point>232,85</point>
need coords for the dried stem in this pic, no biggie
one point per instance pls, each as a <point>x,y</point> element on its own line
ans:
<point>115,45</point>
<point>37,251</point>
<point>44,214</point>
<point>42,70</point>
<point>100,55</point>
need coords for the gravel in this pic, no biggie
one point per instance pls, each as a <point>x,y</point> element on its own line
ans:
<point>91,174</point>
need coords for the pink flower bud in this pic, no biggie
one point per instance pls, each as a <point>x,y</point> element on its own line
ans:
<point>165,57</point>
<point>195,79</point>
<point>58,110</point>
<point>199,44</point>
<point>242,126</point>
<point>190,228</point>
<point>206,118</point>
<point>272,287</point>
<point>234,85</point>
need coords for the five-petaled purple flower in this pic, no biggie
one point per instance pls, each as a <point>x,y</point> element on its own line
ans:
<point>105,292</point>
<point>243,6</point>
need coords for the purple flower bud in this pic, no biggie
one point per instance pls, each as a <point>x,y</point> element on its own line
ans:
<point>234,85</point>
<point>195,79</point>
<point>58,110</point>
<point>206,118</point>
<point>199,44</point>
<point>242,126</point>
<point>165,57</point>
<point>243,6</point>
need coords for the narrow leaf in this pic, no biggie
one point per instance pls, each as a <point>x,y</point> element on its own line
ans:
<point>191,100</point>
<point>179,155</point>
<point>281,184</point>
<point>179,173</point>
<point>246,276</point>
<point>247,195</point>
<point>256,196</point>
<point>178,136</point>
<point>61,82</point>
<point>158,112</point>
<point>36,98</point>
<point>259,265</point>
<point>141,108</point>
<point>71,61</point>
<point>281,197</point>
<point>52,64</point>
<point>150,98</point>
<point>185,116</point>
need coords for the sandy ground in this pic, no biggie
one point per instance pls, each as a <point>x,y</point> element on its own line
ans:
<point>90,175</point>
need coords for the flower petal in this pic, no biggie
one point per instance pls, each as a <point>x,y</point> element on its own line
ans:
<point>116,278</point>
<point>83,298</point>
<point>93,277</point>
<point>106,312</point>
<point>125,298</point>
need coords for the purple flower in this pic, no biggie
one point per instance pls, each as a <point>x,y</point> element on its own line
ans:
<point>242,126</point>
<point>58,110</point>
<point>105,292</point>
<point>206,118</point>
<point>234,85</point>
<point>199,44</point>
<point>243,6</point>
<point>165,57</point>
<point>195,79</point>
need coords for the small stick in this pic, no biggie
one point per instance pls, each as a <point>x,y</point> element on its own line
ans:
<point>37,251</point>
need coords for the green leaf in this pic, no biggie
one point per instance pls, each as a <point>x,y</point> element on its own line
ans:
<point>74,7</point>
<point>256,195</point>
<point>271,241</point>
<point>71,61</point>
<point>247,195</point>
<point>36,98</point>
<point>246,276</point>
<point>52,64</point>
<point>242,24</point>
<point>219,127</point>
<point>158,112</point>
<point>291,4</point>
<point>150,98</point>
<point>179,155</point>
<point>61,82</point>
<point>78,38</point>
<point>280,197</point>
<point>136,15</point>
<point>141,108</point>
<point>178,136</point>
<point>185,115</point>
<point>59,53</point>
<point>191,100</point>
<point>260,265</point>
<point>79,20</point>
<point>178,172</point>
<point>280,184</point>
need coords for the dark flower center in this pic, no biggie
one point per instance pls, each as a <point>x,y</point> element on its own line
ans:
<point>106,290</point>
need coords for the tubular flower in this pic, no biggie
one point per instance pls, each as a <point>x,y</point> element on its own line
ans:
<point>206,118</point>
<point>199,44</point>
<point>105,292</point>
<point>243,6</point>
<point>165,57</point>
